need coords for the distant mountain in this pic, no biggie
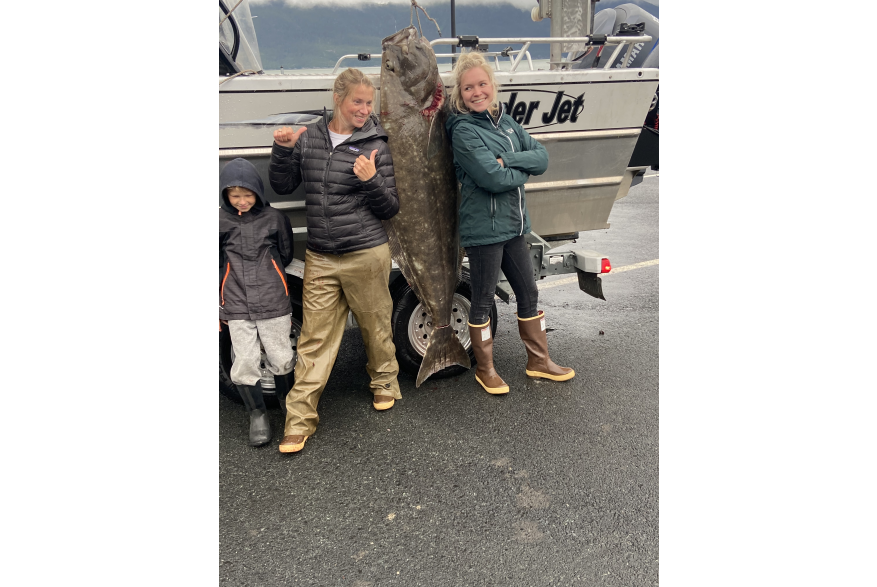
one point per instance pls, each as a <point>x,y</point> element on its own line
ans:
<point>318,37</point>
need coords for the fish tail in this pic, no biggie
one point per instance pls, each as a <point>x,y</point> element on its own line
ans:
<point>444,349</point>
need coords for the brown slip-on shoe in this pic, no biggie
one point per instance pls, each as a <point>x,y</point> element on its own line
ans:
<point>293,443</point>
<point>383,402</point>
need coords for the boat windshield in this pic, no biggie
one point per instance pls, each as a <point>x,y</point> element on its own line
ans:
<point>242,46</point>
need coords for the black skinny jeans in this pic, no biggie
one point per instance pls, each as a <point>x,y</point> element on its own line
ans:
<point>513,257</point>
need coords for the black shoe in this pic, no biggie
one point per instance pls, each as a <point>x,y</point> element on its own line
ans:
<point>260,426</point>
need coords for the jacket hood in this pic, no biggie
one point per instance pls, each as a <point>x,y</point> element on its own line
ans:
<point>371,129</point>
<point>480,118</point>
<point>240,173</point>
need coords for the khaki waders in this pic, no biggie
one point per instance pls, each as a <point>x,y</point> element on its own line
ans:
<point>333,284</point>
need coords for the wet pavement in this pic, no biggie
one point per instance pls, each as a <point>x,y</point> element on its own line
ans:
<point>552,484</point>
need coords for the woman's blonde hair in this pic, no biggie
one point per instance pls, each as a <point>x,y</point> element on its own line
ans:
<point>347,81</point>
<point>466,62</point>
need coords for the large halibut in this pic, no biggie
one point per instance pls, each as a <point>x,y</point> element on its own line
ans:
<point>424,235</point>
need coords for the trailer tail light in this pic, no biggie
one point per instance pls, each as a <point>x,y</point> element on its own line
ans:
<point>605,266</point>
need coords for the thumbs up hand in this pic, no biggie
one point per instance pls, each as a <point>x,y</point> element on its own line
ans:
<point>286,137</point>
<point>365,168</point>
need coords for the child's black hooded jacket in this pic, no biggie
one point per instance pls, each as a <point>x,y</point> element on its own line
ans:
<point>254,248</point>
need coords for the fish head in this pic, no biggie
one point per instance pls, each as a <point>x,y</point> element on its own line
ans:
<point>409,69</point>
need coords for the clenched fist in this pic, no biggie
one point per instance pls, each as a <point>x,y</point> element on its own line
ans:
<point>286,137</point>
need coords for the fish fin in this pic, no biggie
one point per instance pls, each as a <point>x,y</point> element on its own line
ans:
<point>444,350</point>
<point>399,256</point>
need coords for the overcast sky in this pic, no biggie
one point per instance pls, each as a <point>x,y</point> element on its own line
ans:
<point>522,4</point>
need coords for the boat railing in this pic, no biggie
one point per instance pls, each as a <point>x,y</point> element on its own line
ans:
<point>470,42</point>
<point>495,54</point>
<point>618,40</point>
<point>360,56</point>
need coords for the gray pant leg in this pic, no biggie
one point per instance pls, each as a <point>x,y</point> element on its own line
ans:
<point>247,356</point>
<point>274,334</point>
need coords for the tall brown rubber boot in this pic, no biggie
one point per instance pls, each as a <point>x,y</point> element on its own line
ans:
<point>539,364</point>
<point>482,346</point>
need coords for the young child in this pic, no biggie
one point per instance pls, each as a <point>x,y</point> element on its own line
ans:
<point>255,244</point>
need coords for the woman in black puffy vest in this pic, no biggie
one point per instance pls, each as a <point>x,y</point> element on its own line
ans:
<point>350,189</point>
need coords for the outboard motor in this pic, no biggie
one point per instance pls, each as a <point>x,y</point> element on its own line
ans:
<point>652,61</point>
<point>618,21</point>
<point>611,22</point>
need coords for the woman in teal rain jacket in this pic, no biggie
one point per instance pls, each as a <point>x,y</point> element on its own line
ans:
<point>494,157</point>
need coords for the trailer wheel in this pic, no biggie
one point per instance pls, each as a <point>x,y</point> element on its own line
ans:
<point>226,358</point>
<point>411,330</point>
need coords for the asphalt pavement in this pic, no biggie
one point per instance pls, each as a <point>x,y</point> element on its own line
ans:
<point>553,484</point>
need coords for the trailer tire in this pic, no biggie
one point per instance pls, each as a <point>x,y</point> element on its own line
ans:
<point>408,338</point>
<point>226,358</point>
